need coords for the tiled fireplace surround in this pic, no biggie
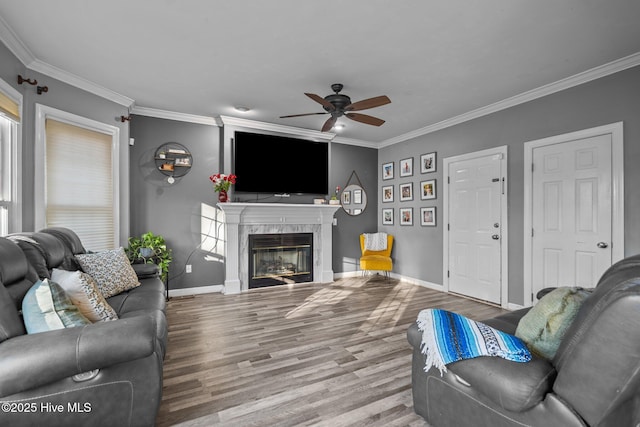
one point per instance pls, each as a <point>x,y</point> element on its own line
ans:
<point>244,219</point>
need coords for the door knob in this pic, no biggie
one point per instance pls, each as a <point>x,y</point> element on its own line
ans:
<point>495,237</point>
<point>602,245</point>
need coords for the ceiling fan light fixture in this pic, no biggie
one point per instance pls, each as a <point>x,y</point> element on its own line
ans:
<point>242,109</point>
<point>339,105</point>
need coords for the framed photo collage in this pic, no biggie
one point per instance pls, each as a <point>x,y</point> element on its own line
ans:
<point>405,191</point>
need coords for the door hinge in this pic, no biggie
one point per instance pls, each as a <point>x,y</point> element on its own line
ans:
<point>448,180</point>
<point>503,185</point>
<point>448,227</point>
<point>448,273</point>
<point>531,296</point>
<point>532,232</point>
<point>531,166</point>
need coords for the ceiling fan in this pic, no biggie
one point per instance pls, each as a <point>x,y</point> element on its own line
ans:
<point>339,105</point>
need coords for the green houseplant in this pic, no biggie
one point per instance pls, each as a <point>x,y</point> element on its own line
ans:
<point>150,248</point>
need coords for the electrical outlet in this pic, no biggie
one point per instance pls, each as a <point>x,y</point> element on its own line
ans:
<point>188,268</point>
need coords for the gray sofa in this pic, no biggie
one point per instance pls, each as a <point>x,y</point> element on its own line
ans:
<point>593,380</point>
<point>105,373</point>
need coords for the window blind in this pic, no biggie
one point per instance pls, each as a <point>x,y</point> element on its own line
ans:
<point>6,175</point>
<point>9,108</point>
<point>79,183</point>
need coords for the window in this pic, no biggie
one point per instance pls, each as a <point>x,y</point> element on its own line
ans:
<point>77,185</point>
<point>10,108</point>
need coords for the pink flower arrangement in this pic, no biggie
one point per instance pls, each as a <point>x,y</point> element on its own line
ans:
<point>222,182</point>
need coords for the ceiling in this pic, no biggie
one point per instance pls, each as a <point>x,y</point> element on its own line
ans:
<point>435,60</point>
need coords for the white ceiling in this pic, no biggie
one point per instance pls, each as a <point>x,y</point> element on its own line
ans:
<point>435,60</point>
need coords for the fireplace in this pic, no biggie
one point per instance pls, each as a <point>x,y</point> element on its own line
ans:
<point>244,219</point>
<point>276,259</point>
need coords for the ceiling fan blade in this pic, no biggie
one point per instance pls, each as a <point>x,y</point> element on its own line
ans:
<point>363,118</point>
<point>300,115</point>
<point>365,104</point>
<point>329,124</point>
<point>321,100</point>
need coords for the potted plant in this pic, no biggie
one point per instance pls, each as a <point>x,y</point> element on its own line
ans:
<point>334,198</point>
<point>150,249</point>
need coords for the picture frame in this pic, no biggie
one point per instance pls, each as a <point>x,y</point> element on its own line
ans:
<point>387,171</point>
<point>387,194</point>
<point>406,191</point>
<point>428,216</point>
<point>387,216</point>
<point>406,216</point>
<point>346,197</point>
<point>406,167</point>
<point>428,162</point>
<point>357,197</point>
<point>428,189</point>
<point>183,161</point>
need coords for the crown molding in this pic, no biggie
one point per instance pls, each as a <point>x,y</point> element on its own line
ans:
<point>356,142</point>
<point>542,91</point>
<point>24,55</point>
<point>272,127</point>
<point>79,82</point>
<point>173,115</point>
<point>14,44</point>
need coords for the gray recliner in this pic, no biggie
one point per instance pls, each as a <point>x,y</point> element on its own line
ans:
<point>593,380</point>
<point>102,374</point>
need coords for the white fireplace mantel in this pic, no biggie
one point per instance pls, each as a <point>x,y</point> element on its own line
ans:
<point>242,219</point>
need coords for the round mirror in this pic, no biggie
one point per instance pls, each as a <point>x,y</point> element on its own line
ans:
<point>354,199</point>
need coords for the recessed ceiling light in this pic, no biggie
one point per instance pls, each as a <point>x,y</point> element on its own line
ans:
<point>242,109</point>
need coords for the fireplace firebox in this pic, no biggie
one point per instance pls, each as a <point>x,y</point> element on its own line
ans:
<point>276,259</point>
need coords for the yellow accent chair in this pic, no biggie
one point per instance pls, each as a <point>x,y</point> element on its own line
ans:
<point>376,260</point>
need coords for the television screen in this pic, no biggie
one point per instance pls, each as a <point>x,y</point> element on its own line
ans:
<point>277,164</point>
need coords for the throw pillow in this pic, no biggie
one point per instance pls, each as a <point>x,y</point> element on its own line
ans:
<point>111,269</point>
<point>83,292</point>
<point>544,326</point>
<point>46,307</point>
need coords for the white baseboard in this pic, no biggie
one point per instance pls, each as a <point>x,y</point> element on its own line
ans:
<point>195,291</point>
<point>407,279</point>
<point>513,307</point>
<point>414,281</point>
<point>347,274</point>
<point>220,288</point>
<point>424,283</point>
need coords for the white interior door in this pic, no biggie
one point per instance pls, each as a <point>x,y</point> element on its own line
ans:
<point>474,198</point>
<point>571,212</point>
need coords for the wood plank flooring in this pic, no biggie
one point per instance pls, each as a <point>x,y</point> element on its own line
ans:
<point>300,355</point>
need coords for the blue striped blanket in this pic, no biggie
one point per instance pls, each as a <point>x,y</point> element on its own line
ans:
<point>448,337</point>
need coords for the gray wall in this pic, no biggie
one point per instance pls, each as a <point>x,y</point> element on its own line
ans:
<point>175,210</point>
<point>346,241</point>
<point>70,99</point>
<point>607,100</point>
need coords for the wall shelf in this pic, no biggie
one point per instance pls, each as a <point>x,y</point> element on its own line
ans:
<point>173,159</point>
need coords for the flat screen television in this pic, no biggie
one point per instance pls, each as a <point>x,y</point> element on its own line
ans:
<point>277,164</point>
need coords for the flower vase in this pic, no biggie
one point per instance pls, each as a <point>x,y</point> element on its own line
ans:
<point>222,196</point>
